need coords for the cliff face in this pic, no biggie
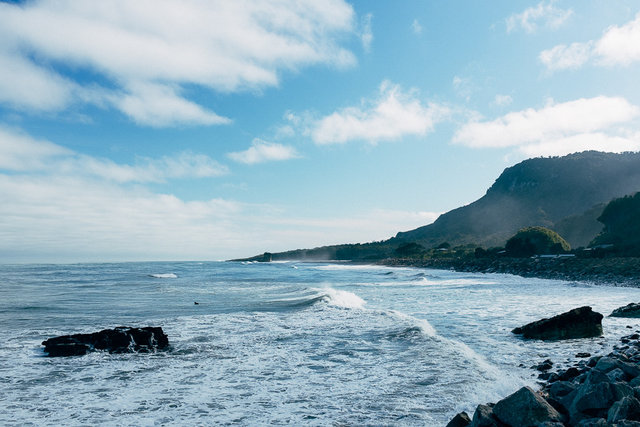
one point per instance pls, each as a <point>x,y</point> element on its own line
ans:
<point>537,192</point>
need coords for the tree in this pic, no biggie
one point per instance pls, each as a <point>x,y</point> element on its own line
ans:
<point>536,241</point>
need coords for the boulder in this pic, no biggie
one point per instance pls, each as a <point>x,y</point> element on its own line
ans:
<point>580,322</point>
<point>122,339</point>
<point>525,408</point>
<point>460,420</point>
<point>483,417</point>
<point>627,408</point>
<point>629,310</point>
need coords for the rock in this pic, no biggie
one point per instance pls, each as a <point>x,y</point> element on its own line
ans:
<point>525,408</point>
<point>460,420</point>
<point>583,355</point>
<point>629,310</point>
<point>616,375</point>
<point>544,366</point>
<point>593,422</point>
<point>594,400</point>
<point>483,417</point>
<point>122,339</point>
<point>580,322</point>
<point>569,374</point>
<point>606,364</point>
<point>627,408</point>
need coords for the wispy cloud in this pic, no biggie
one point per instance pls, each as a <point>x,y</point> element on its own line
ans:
<point>583,124</point>
<point>416,27</point>
<point>263,151</point>
<point>544,14</point>
<point>217,45</point>
<point>22,153</point>
<point>391,116</point>
<point>502,100</point>
<point>619,45</point>
<point>367,32</point>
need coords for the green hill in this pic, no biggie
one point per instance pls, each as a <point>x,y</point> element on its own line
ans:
<point>621,219</point>
<point>566,194</point>
<point>537,192</point>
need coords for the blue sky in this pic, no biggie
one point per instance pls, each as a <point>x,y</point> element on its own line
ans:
<point>204,130</point>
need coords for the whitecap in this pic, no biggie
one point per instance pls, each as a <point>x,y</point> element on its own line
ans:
<point>338,298</point>
<point>164,276</point>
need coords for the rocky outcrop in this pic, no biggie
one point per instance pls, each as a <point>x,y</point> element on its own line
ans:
<point>122,339</point>
<point>580,322</point>
<point>460,420</point>
<point>603,391</point>
<point>629,310</point>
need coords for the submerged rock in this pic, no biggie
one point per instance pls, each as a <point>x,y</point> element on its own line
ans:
<point>629,310</point>
<point>122,339</point>
<point>580,322</point>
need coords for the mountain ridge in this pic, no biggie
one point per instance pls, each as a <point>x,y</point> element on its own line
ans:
<point>567,192</point>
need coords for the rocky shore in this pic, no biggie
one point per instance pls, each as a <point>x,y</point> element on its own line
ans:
<point>616,271</point>
<point>595,391</point>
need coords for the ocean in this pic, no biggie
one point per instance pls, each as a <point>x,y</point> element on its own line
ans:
<point>280,343</point>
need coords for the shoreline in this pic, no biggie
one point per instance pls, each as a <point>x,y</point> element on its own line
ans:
<point>602,271</point>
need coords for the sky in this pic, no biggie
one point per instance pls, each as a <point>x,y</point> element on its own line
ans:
<point>209,130</point>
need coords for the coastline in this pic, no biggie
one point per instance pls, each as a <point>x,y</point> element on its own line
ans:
<point>613,271</point>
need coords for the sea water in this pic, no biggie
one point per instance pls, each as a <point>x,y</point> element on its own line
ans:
<point>280,343</point>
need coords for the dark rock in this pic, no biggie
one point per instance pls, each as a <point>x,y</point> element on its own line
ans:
<point>627,408</point>
<point>629,310</point>
<point>593,422</point>
<point>483,417</point>
<point>594,400</point>
<point>560,389</point>
<point>525,408</point>
<point>122,339</point>
<point>583,355</point>
<point>616,375</point>
<point>544,366</point>
<point>460,420</point>
<point>580,322</point>
<point>569,374</point>
<point>593,361</point>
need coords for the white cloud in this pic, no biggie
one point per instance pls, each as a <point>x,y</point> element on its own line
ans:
<point>619,45</point>
<point>543,14</point>
<point>263,151</point>
<point>367,34</point>
<point>158,106</point>
<point>416,27</point>
<point>160,44</point>
<point>502,100</point>
<point>70,219</point>
<point>24,85</point>
<point>22,153</point>
<point>393,115</point>
<point>587,123</point>
<point>563,57</point>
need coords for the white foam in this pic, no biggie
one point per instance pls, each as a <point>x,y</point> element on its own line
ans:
<point>164,276</point>
<point>422,324</point>
<point>344,299</point>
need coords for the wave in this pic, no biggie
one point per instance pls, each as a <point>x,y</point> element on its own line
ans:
<point>164,276</point>
<point>328,296</point>
<point>416,325</point>
<point>344,299</point>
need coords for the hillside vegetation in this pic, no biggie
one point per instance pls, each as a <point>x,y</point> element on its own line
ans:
<point>565,194</point>
<point>621,219</point>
